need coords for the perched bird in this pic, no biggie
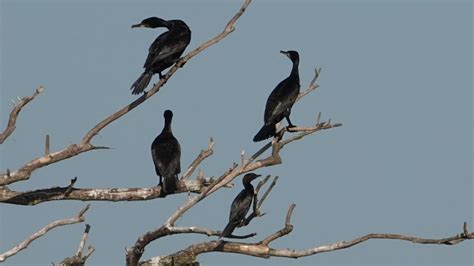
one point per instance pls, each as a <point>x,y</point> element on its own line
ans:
<point>166,154</point>
<point>164,51</point>
<point>241,205</point>
<point>281,100</point>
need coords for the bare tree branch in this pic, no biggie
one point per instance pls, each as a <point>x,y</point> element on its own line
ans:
<point>25,171</point>
<point>15,112</point>
<point>96,194</point>
<point>80,256</point>
<point>77,219</point>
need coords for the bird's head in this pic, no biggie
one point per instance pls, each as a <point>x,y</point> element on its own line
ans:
<point>152,22</point>
<point>168,115</point>
<point>249,177</point>
<point>176,23</point>
<point>293,55</point>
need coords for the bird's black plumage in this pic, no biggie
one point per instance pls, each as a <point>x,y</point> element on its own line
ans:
<point>281,100</point>
<point>166,154</point>
<point>164,51</point>
<point>241,205</point>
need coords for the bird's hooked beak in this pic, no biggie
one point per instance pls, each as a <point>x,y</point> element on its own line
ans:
<point>255,176</point>
<point>286,53</point>
<point>139,25</point>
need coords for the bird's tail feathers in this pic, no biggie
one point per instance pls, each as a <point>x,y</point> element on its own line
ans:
<point>170,184</point>
<point>268,130</point>
<point>228,230</point>
<point>140,84</point>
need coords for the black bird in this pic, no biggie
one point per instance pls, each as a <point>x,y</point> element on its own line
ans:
<point>164,51</point>
<point>166,154</point>
<point>241,205</point>
<point>281,100</point>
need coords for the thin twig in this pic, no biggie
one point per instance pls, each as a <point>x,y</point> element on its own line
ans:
<point>312,85</point>
<point>15,112</point>
<point>288,227</point>
<point>46,145</point>
<point>202,155</point>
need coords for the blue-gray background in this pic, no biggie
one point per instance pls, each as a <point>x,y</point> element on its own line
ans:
<point>397,74</point>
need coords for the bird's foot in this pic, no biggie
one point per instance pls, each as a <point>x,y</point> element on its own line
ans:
<point>290,127</point>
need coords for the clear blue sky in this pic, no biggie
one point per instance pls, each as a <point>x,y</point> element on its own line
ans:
<point>397,74</point>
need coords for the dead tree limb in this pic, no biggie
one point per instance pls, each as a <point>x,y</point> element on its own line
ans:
<point>35,197</point>
<point>15,112</point>
<point>77,219</point>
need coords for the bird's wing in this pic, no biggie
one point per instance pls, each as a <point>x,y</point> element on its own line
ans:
<point>240,206</point>
<point>166,45</point>
<point>155,49</point>
<point>280,100</point>
<point>166,153</point>
<point>156,161</point>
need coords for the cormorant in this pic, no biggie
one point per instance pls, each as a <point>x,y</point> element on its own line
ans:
<point>166,154</point>
<point>164,51</point>
<point>241,205</point>
<point>281,100</point>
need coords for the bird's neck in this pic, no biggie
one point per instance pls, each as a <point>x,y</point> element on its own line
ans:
<point>248,186</point>
<point>167,130</point>
<point>167,127</point>
<point>294,69</point>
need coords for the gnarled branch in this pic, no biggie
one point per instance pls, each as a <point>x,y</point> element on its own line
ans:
<point>77,219</point>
